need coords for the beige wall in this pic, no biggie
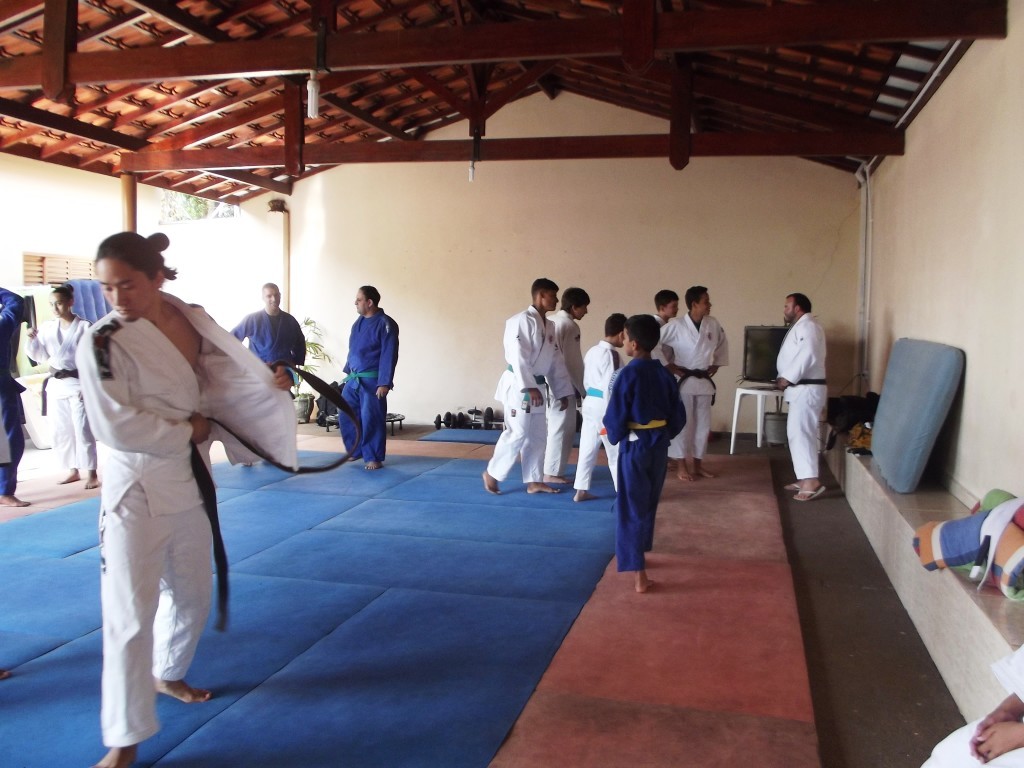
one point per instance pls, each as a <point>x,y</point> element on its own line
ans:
<point>453,259</point>
<point>947,257</point>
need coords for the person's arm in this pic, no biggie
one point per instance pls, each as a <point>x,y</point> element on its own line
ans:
<point>518,349</point>
<point>12,312</point>
<point>616,416</point>
<point>242,331</point>
<point>298,342</point>
<point>1011,710</point>
<point>388,357</point>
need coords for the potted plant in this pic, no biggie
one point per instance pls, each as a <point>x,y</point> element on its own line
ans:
<point>316,353</point>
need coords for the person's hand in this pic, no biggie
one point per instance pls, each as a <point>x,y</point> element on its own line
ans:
<point>563,403</point>
<point>382,392</point>
<point>1010,710</point>
<point>282,378</point>
<point>32,333</point>
<point>997,739</point>
<point>536,398</point>
<point>200,428</point>
<point>781,383</point>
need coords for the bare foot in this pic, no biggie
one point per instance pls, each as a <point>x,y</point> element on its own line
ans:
<point>490,484</point>
<point>684,474</point>
<point>642,582</point>
<point>91,481</point>
<point>4,674</point>
<point>12,501</point>
<point>118,757</point>
<point>556,479</point>
<point>372,465</point>
<point>705,473</point>
<point>73,477</point>
<point>182,691</point>
<point>540,488</point>
<point>583,496</point>
<point>698,469</point>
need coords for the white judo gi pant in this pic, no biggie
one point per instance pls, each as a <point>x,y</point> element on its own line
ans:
<point>155,590</point>
<point>590,441</point>
<point>73,442</point>
<point>524,438</point>
<point>806,403</point>
<point>692,442</point>
<point>955,752</point>
<point>561,430</point>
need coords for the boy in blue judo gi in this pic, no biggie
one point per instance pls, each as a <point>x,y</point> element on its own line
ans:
<point>644,413</point>
<point>372,358</point>
<point>11,318</point>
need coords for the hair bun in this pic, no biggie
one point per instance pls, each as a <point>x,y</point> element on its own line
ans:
<point>159,241</point>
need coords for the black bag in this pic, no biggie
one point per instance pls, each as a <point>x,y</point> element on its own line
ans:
<point>846,411</point>
<point>325,408</point>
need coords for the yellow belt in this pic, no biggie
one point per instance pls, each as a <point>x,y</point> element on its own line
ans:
<point>654,424</point>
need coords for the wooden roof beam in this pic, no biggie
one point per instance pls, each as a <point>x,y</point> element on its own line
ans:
<point>779,25</point>
<point>557,148</point>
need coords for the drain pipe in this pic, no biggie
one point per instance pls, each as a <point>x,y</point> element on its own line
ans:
<point>863,176</point>
<point>277,205</point>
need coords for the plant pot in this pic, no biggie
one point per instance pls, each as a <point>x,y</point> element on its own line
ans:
<point>303,408</point>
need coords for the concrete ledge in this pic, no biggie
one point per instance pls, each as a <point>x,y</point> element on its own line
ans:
<point>964,630</point>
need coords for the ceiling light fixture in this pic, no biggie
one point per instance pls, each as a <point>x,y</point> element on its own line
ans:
<point>312,95</point>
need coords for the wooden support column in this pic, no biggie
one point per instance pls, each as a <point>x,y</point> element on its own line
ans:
<point>679,137</point>
<point>129,202</point>
<point>294,129</point>
<point>60,38</point>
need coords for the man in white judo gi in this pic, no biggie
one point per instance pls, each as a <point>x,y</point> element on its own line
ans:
<point>997,740</point>
<point>562,422</point>
<point>152,371</point>
<point>801,367</point>
<point>533,361</point>
<point>599,366</point>
<point>56,342</point>
<point>693,348</point>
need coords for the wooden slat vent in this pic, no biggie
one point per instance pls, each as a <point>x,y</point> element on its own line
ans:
<point>42,269</point>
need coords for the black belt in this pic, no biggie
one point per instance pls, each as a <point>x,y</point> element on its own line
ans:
<point>808,381</point>
<point>209,493</point>
<point>700,373</point>
<point>71,373</point>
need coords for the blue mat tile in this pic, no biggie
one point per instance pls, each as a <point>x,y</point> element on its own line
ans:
<point>17,647</point>
<point>469,489</point>
<point>273,621</point>
<point>57,532</point>
<point>255,521</point>
<point>437,565</point>
<point>481,436</point>
<point>50,597</point>
<point>347,480</point>
<point>440,685</point>
<point>590,526</point>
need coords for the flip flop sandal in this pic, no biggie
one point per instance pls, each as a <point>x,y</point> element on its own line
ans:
<point>810,495</point>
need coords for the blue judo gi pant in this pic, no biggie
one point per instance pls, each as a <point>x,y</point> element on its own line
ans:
<point>10,393</point>
<point>361,394</point>
<point>641,470</point>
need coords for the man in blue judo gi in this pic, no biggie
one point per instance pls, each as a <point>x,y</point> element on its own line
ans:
<point>273,334</point>
<point>644,413</point>
<point>372,357</point>
<point>12,308</point>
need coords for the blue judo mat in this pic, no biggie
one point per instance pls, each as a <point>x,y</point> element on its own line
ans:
<point>392,618</point>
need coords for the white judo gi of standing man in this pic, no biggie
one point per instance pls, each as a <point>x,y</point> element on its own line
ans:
<point>698,349</point>
<point>562,420</point>
<point>152,371</point>
<point>801,367</point>
<point>533,361</point>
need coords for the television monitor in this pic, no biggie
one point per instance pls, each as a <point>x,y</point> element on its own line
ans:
<point>761,344</point>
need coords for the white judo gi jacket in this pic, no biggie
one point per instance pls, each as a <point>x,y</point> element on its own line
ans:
<point>57,347</point>
<point>140,392</point>
<point>567,338</point>
<point>696,350</point>
<point>802,354</point>
<point>531,350</point>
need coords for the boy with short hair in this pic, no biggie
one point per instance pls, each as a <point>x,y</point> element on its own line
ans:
<point>644,413</point>
<point>600,363</point>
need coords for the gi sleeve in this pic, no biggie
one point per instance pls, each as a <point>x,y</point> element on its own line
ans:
<point>12,313</point>
<point>107,376</point>
<point>520,333</point>
<point>388,353</point>
<point>721,356</point>
<point>36,349</point>
<point>617,414</point>
<point>297,351</point>
<point>677,411</point>
<point>243,330</point>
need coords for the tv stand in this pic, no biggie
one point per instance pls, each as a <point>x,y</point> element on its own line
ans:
<point>761,392</point>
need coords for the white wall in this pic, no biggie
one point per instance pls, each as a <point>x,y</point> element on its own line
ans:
<point>453,259</point>
<point>948,267</point>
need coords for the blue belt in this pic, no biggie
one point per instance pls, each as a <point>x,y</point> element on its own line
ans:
<point>591,392</point>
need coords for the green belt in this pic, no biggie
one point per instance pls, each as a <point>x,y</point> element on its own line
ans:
<point>591,392</point>
<point>360,375</point>
<point>538,379</point>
